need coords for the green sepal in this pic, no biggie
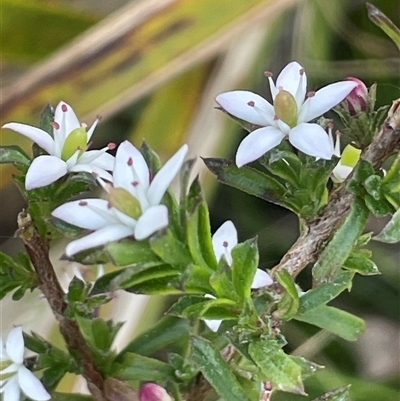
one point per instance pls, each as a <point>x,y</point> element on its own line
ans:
<point>339,394</point>
<point>245,259</point>
<point>336,321</point>
<point>341,244</point>
<point>216,370</point>
<point>153,161</point>
<point>16,156</point>
<point>324,293</point>
<point>169,330</point>
<point>198,228</point>
<point>391,232</point>
<point>276,366</point>
<point>289,303</point>
<point>132,366</point>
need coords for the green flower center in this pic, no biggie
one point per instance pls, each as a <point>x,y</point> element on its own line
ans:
<point>286,108</point>
<point>125,202</point>
<point>76,140</point>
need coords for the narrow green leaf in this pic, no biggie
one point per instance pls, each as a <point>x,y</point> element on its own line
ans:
<point>340,394</point>
<point>364,266</point>
<point>244,265</point>
<point>383,22</point>
<point>14,155</point>
<point>308,368</point>
<point>334,320</point>
<point>340,246</point>
<point>326,292</point>
<point>391,232</point>
<point>128,252</point>
<point>289,303</point>
<point>197,279</point>
<point>216,370</point>
<point>151,157</point>
<point>138,367</point>
<point>276,366</point>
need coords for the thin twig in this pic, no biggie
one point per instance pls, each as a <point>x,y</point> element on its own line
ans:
<point>38,251</point>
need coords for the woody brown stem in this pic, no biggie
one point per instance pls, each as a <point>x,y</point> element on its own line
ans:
<point>38,251</point>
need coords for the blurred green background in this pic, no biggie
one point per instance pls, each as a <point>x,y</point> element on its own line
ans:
<point>152,68</point>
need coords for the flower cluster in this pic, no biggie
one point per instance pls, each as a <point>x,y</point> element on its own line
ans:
<point>289,115</point>
<point>14,376</point>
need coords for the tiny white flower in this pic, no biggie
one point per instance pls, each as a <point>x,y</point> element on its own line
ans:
<point>288,116</point>
<point>66,150</point>
<point>14,376</point>
<point>223,241</point>
<point>133,205</point>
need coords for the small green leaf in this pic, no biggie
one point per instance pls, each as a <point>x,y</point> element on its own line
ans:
<point>334,320</point>
<point>197,279</point>
<point>129,252</point>
<point>244,265</point>
<point>151,157</point>
<point>14,155</point>
<point>216,370</point>
<point>326,292</point>
<point>391,232</point>
<point>340,394</point>
<point>363,266</point>
<point>221,282</point>
<point>289,304</point>
<point>132,366</point>
<point>308,368</point>
<point>276,366</point>
<point>340,246</point>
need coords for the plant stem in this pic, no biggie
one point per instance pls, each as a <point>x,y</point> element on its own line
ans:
<point>38,250</point>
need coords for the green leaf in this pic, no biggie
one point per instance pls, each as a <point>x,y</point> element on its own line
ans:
<point>289,304</point>
<point>248,180</point>
<point>167,247</point>
<point>340,246</point>
<point>339,394</point>
<point>128,252</point>
<point>391,232</point>
<point>308,368</point>
<point>363,266</point>
<point>276,366</point>
<point>326,292</point>
<point>391,184</point>
<point>151,157</point>
<point>167,331</point>
<point>334,320</point>
<point>244,265</point>
<point>197,279</point>
<point>383,22</point>
<point>216,370</point>
<point>221,282</point>
<point>14,155</point>
<point>138,367</point>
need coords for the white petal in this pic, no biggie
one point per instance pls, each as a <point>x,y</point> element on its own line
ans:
<point>67,120</point>
<point>125,174</point>
<point>91,214</point>
<point>11,390</point>
<point>164,177</point>
<point>312,140</point>
<point>31,385</point>
<point>236,104</point>
<point>42,138</point>
<point>223,240</point>
<point>324,99</point>
<point>290,79</point>
<point>341,172</point>
<point>153,219</point>
<point>99,237</point>
<point>15,345</point>
<point>213,324</point>
<point>98,158</point>
<point>44,170</point>
<point>261,279</point>
<point>89,168</point>
<point>258,143</point>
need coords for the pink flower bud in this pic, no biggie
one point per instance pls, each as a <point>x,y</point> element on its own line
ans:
<point>357,99</point>
<point>153,392</point>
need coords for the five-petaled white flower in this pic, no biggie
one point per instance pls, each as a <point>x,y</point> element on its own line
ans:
<point>288,116</point>
<point>14,376</point>
<point>66,150</point>
<point>223,241</point>
<point>133,204</point>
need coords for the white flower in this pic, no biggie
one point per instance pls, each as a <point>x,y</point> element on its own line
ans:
<point>14,376</point>
<point>223,241</point>
<point>288,116</point>
<point>66,150</point>
<point>133,204</point>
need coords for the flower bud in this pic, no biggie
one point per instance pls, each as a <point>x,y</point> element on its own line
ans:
<point>357,99</point>
<point>153,392</point>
